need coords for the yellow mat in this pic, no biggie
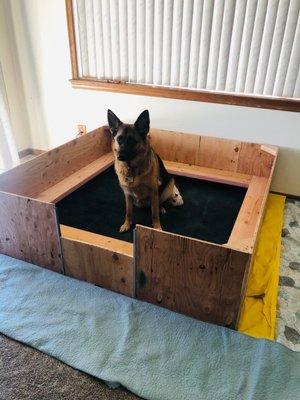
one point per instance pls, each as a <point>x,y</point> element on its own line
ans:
<point>258,316</point>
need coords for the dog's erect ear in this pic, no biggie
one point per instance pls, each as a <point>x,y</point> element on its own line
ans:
<point>113,122</point>
<point>142,124</point>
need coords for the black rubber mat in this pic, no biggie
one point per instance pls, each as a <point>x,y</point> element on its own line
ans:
<point>209,210</point>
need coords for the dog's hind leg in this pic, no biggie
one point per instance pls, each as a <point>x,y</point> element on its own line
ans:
<point>171,195</point>
<point>155,209</point>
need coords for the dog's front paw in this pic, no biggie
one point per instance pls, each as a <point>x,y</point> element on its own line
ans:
<point>125,227</point>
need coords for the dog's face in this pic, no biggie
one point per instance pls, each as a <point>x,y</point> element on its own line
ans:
<point>129,141</point>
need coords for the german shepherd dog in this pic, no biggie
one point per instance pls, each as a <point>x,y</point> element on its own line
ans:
<point>141,173</point>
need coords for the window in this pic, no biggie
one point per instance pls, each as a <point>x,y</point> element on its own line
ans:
<point>226,51</point>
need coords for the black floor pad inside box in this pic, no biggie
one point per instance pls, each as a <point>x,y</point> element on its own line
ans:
<point>208,213</point>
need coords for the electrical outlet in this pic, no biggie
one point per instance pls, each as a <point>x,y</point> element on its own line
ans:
<point>81,130</point>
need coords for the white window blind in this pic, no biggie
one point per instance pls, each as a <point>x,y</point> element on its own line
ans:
<point>234,46</point>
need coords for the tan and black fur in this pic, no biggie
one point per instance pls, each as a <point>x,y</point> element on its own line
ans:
<point>141,173</point>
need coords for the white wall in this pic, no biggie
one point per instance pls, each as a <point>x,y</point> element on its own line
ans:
<point>54,108</point>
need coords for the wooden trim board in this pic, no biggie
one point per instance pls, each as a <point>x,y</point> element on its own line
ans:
<point>98,259</point>
<point>207,96</point>
<point>105,242</point>
<point>208,174</point>
<point>74,181</point>
<point>72,40</point>
<point>244,232</point>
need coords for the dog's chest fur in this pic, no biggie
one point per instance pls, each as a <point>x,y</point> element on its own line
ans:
<point>138,183</point>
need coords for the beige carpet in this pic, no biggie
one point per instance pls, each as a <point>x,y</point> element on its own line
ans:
<point>27,374</point>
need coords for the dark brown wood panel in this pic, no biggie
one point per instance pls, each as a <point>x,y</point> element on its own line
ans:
<point>104,267</point>
<point>37,175</point>
<point>29,231</point>
<point>195,278</point>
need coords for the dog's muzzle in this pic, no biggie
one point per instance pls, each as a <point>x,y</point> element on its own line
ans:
<point>121,157</point>
<point>125,156</point>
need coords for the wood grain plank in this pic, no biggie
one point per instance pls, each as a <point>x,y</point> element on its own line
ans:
<point>105,242</point>
<point>74,181</point>
<point>106,268</point>
<point>208,174</point>
<point>245,230</point>
<point>189,276</point>
<point>218,153</point>
<point>29,231</point>
<point>255,160</point>
<point>46,170</point>
<point>175,146</point>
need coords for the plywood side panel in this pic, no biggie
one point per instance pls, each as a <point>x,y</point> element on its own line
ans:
<point>189,276</point>
<point>218,153</point>
<point>29,231</point>
<point>94,264</point>
<point>175,146</point>
<point>37,175</point>
<point>256,159</point>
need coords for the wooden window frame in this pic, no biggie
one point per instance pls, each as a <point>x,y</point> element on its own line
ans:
<point>267,102</point>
